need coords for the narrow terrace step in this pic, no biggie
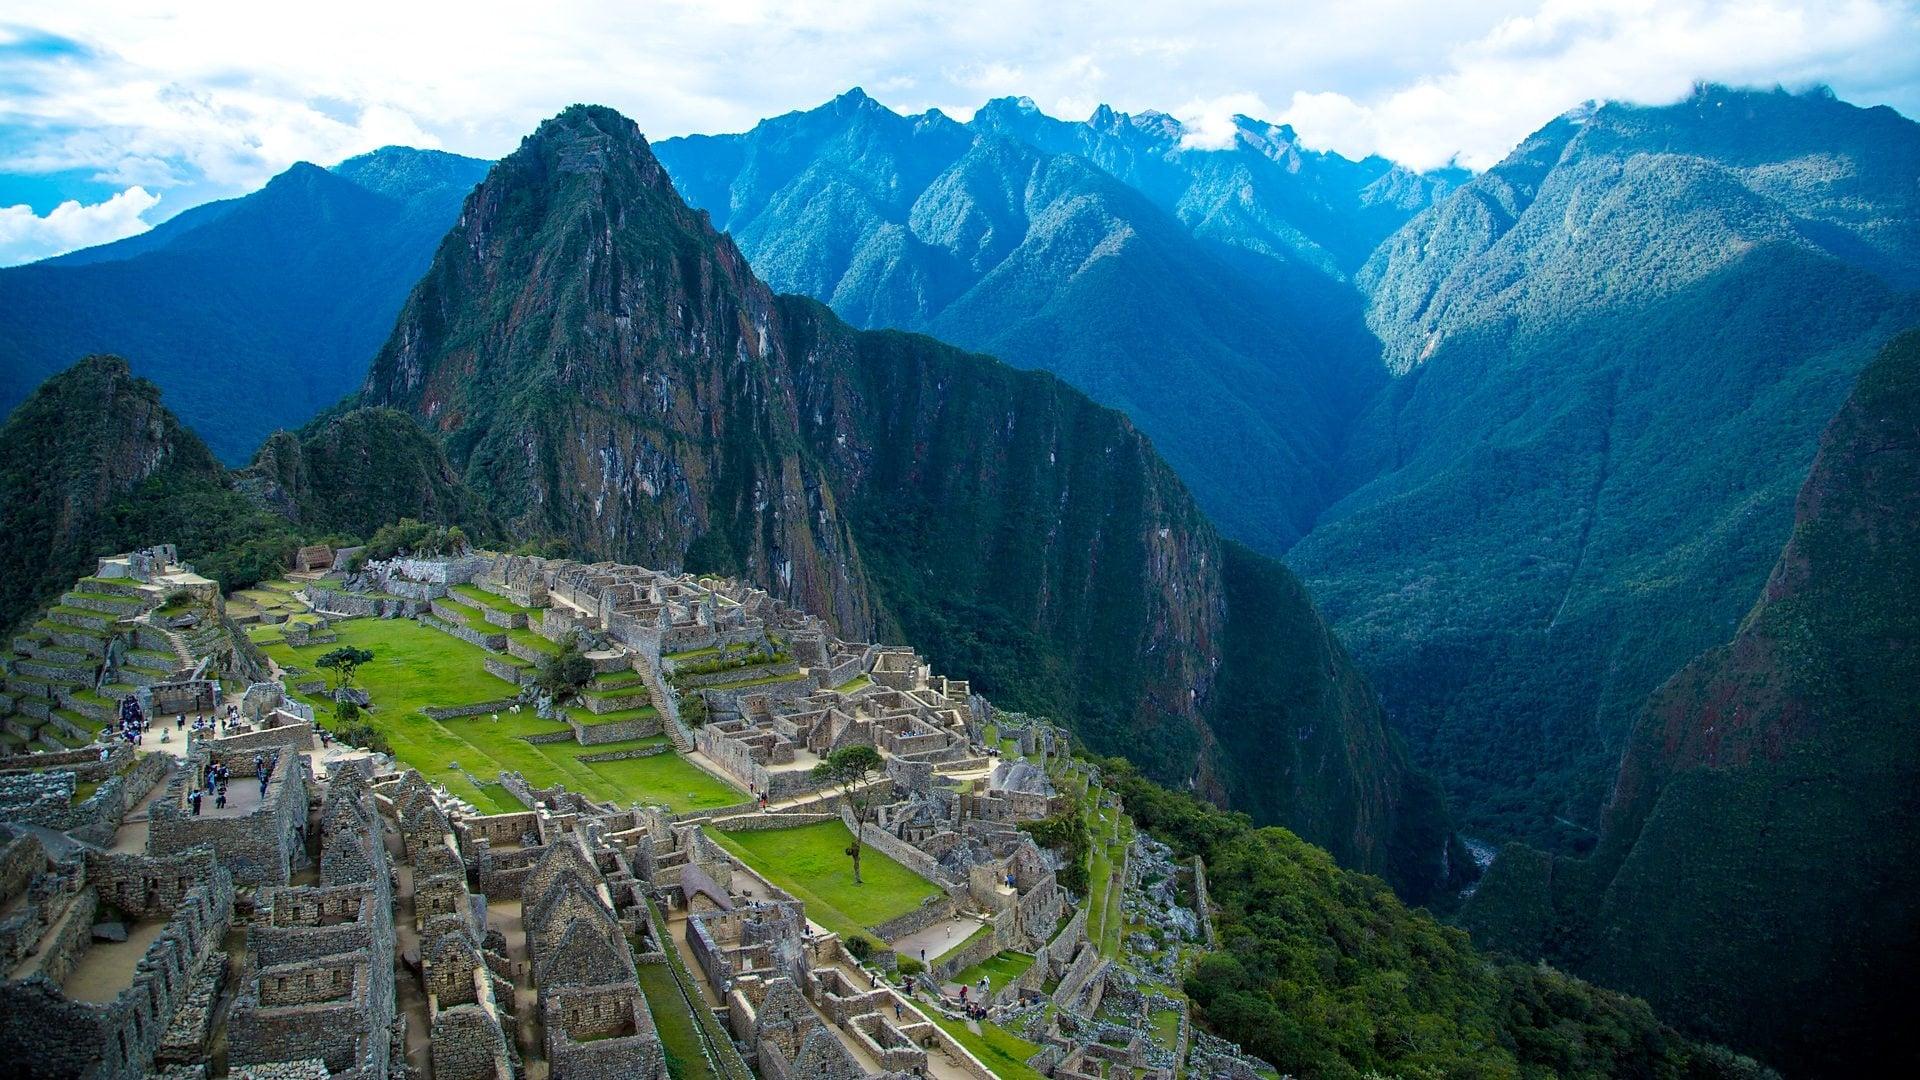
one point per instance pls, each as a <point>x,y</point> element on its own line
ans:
<point>105,603</point>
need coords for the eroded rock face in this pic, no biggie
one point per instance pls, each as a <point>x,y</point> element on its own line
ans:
<point>603,368</point>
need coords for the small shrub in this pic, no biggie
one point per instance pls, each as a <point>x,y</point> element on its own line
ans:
<point>909,967</point>
<point>363,735</point>
<point>859,947</point>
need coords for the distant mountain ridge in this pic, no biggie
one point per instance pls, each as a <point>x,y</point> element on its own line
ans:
<point>606,370</point>
<point>1613,354</point>
<point>1203,293</point>
<point>253,313</point>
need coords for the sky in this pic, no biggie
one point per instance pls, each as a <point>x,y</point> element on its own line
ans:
<point>116,116</point>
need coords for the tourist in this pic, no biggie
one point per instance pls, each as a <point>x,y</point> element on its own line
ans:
<point>263,786</point>
<point>105,752</point>
<point>220,803</point>
<point>195,800</point>
<point>180,722</point>
<point>259,763</point>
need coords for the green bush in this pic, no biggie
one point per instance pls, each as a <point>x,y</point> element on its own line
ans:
<point>859,947</point>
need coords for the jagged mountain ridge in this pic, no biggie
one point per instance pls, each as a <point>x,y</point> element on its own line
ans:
<point>250,313</point>
<point>605,369</point>
<point>1613,355</point>
<point>1761,822</point>
<point>1171,283</point>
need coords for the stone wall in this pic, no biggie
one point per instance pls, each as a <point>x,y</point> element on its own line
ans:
<point>465,632</point>
<point>258,848</point>
<point>935,909</point>
<point>458,712</point>
<point>619,731</point>
<point>902,852</point>
<point>49,1035</point>
<point>1203,902</point>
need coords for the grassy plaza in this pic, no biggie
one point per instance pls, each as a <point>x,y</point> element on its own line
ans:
<point>416,667</point>
<point>811,862</point>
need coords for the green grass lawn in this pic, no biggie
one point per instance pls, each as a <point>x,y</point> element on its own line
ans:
<point>415,666</point>
<point>811,863</point>
<point>686,1055</point>
<point>858,682</point>
<point>1000,969</point>
<point>1166,1027</point>
<point>997,1048</point>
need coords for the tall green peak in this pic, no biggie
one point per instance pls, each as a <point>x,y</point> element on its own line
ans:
<point>82,441</point>
<point>604,368</point>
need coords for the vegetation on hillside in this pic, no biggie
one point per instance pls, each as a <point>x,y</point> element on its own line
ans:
<point>1762,821</point>
<point>251,313</point>
<point>1325,973</point>
<point>1616,350</point>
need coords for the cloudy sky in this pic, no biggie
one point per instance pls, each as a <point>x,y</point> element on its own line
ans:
<point>114,116</point>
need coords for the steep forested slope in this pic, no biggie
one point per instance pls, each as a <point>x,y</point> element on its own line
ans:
<point>1758,877</point>
<point>1202,293</point>
<point>605,370</point>
<point>1612,354</point>
<point>253,313</point>
<point>1325,973</point>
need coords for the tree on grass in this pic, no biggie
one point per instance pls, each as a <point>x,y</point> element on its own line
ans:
<point>565,671</point>
<point>344,662</point>
<point>856,771</point>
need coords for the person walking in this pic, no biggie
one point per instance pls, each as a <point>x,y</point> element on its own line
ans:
<point>195,800</point>
<point>220,800</point>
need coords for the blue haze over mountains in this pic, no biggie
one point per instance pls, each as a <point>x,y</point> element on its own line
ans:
<point>1531,437</point>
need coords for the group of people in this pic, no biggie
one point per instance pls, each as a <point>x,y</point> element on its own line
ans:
<point>132,723</point>
<point>759,797</point>
<point>215,778</point>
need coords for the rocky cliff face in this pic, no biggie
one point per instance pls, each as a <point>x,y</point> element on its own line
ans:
<point>1760,826</point>
<point>83,440</point>
<point>605,369</point>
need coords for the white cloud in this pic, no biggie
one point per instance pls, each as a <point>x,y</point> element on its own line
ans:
<point>26,236</point>
<point>1496,89</point>
<point>213,97</point>
<point>1210,124</point>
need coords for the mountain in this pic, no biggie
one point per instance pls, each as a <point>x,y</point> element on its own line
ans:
<point>1612,355</point>
<point>1758,874</point>
<point>81,442</point>
<point>252,313</point>
<point>355,470</point>
<point>1204,294</point>
<point>94,462</point>
<point>604,369</point>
